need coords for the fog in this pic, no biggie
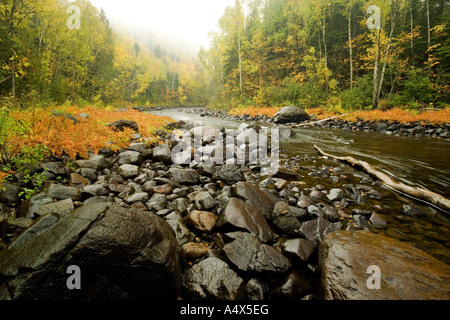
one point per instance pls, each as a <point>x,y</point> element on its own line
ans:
<point>182,24</point>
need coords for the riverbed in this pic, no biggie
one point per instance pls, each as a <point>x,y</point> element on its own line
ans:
<point>421,162</point>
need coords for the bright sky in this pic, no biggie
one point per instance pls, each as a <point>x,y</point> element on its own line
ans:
<point>187,21</point>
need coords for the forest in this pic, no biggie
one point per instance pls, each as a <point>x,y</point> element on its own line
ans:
<point>311,53</point>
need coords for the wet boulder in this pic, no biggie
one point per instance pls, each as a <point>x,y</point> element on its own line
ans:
<point>290,114</point>
<point>406,273</point>
<point>138,248</point>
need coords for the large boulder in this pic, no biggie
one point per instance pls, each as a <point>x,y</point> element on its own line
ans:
<point>185,176</point>
<point>406,273</point>
<point>291,114</point>
<point>121,253</point>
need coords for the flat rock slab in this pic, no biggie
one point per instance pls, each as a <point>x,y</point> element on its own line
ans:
<point>406,273</point>
<point>122,254</point>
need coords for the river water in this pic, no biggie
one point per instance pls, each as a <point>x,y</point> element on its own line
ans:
<point>421,162</point>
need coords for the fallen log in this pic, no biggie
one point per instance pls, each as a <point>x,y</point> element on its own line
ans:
<point>314,122</point>
<point>414,192</point>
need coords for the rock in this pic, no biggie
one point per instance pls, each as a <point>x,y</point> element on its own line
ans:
<point>93,190</point>
<point>192,251</point>
<point>242,215</point>
<point>286,174</point>
<point>182,205</point>
<point>284,219</point>
<point>12,228</point>
<point>255,196</point>
<point>207,169</point>
<point>294,286</point>
<point>163,189</point>
<point>77,181</point>
<point>407,273</point>
<point>121,124</point>
<point>378,222</point>
<point>90,174</point>
<point>255,289</point>
<point>138,147</point>
<point>96,162</point>
<point>229,174</point>
<point>201,221</point>
<point>157,202</point>
<point>162,153</point>
<point>248,253</point>
<point>280,184</point>
<point>66,115</point>
<point>182,233</point>
<point>315,230</point>
<point>92,237</point>
<point>413,211</point>
<point>128,171</point>
<point>299,249</point>
<point>129,157</point>
<point>335,194</point>
<point>361,221</point>
<point>204,201</point>
<point>57,168</point>
<point>137,197</point>
<point>30,208</point>
<point>212,279</point>
<point>59,208</point>
<point>59,192</point>
<point>291,114</point>
<point>316,195</point>
<point>188,177</point>
<point>9,194</point>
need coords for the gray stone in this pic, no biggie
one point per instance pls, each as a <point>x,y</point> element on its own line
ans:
<point>291,114</point>
<point>229,174</point>
<point>129,157</point>
<point>248,253</point>
<point>59,208</point>
<point>294,286</point>
<point>136,197</point>
<point>182,233</point>
<point>212,279</point>
<point>335,194</point>
<point>378,222</point>
<point>162,153</point>
<point>157,202</point>
<point>59,192</point>
<point>284,219</point>
<point>299,249</point>
<point>241,215</point>
<point>128,171</point>
<point>93,190</point>
<point>204,201</point>
<point>187,177</point>
<point>255,196</point>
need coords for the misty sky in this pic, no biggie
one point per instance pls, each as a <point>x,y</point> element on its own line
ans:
<point>185,21</point>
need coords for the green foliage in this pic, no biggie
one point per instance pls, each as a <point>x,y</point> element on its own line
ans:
<point>417,86</point>
<point>359,96</point>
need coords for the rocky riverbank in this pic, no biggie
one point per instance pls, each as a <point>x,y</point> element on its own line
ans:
<point>414,129</point>
<point>141,227</point>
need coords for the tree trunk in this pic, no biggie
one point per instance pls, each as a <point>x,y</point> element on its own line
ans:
<point>240,66</point>
<point>350,45</point>
<point>428,27</point>
<point>417,193</point>
<point>13,53</point>
<point>376,67</point>
<point>412,28</point>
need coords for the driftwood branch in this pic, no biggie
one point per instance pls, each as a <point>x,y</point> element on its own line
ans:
<point>414,192</point>
<point>314,122</point>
